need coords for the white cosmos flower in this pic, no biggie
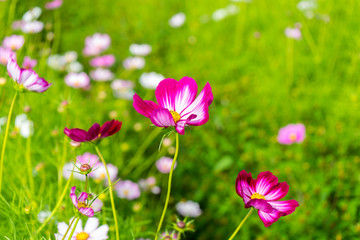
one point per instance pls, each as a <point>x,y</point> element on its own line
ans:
<point>43,215</point>
<point>188,209</point>
<point>177,20</point>
<point>32,14</point>
<point>140,49</point>
<point>91,231</point>
<point>151,80</point>
<point>24,125</point>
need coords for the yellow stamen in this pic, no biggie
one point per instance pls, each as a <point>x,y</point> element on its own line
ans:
<point>82,205</point>
<point>126,192</point>
<point>257,196</point>
<point>175,116</point>
<point>82,236</point>
<point>292,136</point>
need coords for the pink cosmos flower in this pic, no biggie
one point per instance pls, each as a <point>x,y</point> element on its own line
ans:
<point>109,128</point>
<point>97,205</point>
<point>168,236</point>
<point>263,194</point>
<point>103,61</point>
<point>77,80</point>
<point>14,42</point>
<point>178,105</point>
<point>149,184</point>
<point>26,78</point>
<point>96,44</point>
<point>292,133</point>
<point>294,33</point>
<point>16,25</point>
<point>127,189</point>
<point>88,161</point>
<point>29,63</point>
<point>134,63</point>
<point>81,203</point>
<point>54,4</point>
<point>5,55</point>
<point>32,27</point>
<point>99,174</point>
<point>164,164</point>
<point>101,75</point>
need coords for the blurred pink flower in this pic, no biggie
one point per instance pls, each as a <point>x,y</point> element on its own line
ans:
<point>292,133</point>
<point>5,55</point>
<point>294,33</point>
<point>13,42</point>
<point>134,63</point>
<point>101,75</point>
<point>54,4</point>
<point>103,61</point>
<point>99,174</point>
<point>29,63</point>
<point>97,205</point>
<point>96,44</point>
<point>149,184</point>
<point>16,25</point>
<point>127,189</point>
<point>77,80</point>
<point>263,194</point>
<point>164,164</point>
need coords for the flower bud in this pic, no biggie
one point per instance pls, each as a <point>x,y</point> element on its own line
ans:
<point>85,168</point>
<point>180,224</point>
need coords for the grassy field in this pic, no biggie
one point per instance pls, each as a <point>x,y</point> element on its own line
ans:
<point>261,81</point>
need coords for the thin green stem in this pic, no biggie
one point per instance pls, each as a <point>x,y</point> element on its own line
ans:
<point>60,173</point>
<point>29,165</point>
<point>242,222</point>
<point>68,228</point>
<point>73,230</point>
<point>5,138</point>
<point>86,183</point>
<point>169,187</point>
<point>111,193</point>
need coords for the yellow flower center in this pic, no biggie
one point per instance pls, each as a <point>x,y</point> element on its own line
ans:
<point>82,236</point>
<point>257,196</point>
<point>292,136</point>
<point>175,116</point>
<point>82,205</point>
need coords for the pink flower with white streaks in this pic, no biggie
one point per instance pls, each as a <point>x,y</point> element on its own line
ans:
<point>263,194</point>
<point>5,55</point>
<point>77,80</point>
<point>26,79</point>
<point>127,189</point>
<point>96,44</point>
<point>54,4</point>
<point>97,205</point>
<point>294,33</point>
<point>103,61</point>
<point>29,63</point>
<point>81,202</point>
<point>177,105</point>
<point>140,49</point>
<point>101,75</point>
<point>164,164</point>
<point>134,63</point>
<point>14,42</point>
<point>32,27</point>
<point>292,133</point>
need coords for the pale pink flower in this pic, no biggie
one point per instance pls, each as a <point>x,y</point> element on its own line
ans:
<point>99,174</point>
<point>96,44</point>
<point>54,4</point>
<point>149,184</point>
<point>14,42</point>
<point>103,61</point>
<point>32,27</point>
<point>101,75</point>
<point>188,209</point>
<point>294,33</point>
<point>97,205</point>
<point>16,25</point>
<point>77,80</point>
<point>32,14</point>
<point>150,80</point>
<point>134,63</point>
<point>5,55</point>
<point>127,189</point>
<point>123,89</point>
<point>164,164</point>
<point>177,20</point>
<point>29,63</point>
<point>292,133</point>
<point>140,49</point>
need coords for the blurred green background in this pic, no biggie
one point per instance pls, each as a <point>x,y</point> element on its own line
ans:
<point>261,81</point>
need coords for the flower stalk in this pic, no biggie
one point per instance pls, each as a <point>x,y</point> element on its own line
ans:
<point>73,230</point>
<point>242,223</point>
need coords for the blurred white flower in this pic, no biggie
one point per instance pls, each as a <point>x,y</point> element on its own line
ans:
<point>32,27</point>
<point>97,205</point>
<point>294,33</point>
<point>140,49</point>
<point>56,62</point>
<point>219,14</point>
<point>101,75</point>
<point>123,89</point>
<point>70,56</point>
<point>32,14</point>
<point>77,80</point>
<point>90,231</point>
<point>307,5</point>
<point>164,164</point>
<point>134,63</point>
<point>43,215</point>
<point>99,174</point>
<point>151,80</point>
<point>188,209</point>
<point>24,125</point>
<point>177,20</point>
<point>74,67</point>
<point>149,184</point>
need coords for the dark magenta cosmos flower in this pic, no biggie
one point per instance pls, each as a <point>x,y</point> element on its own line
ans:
<point>263,194</point>
<point>81,202</point>
<point>107,129</point>
<point>177,105</point>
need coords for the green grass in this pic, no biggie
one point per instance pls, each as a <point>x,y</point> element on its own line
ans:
<point>259,85</point>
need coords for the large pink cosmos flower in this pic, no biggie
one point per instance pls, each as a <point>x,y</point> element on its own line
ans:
<point>26,78</point>
<point>292,133</point>
<point>81,203</point>
<point>178,104</point>
<point>263,194</point>
<point>95,132</point>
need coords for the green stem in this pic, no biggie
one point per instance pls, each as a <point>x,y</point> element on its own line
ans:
<point>57,30</point>
<point>11,16</point>
<point>242,222</point>
<point>68,228</point>
<point>73,230</point>
<point>60,173</point>
<point>5,138</point>
<point>290,62</point>
<point>169,188</point>
<point>111,192</point>
<point>86,183</point>
<point>29,165</point>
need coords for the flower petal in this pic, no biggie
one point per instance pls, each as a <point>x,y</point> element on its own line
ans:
<point>277,192</point>
<point>259,204</point>
<point>186,91</point>
<point>39,86</point>
<point>161,117</point>
<point>77,134</point>
<point>285,207</point>
<point>73,196</point>
<point>13,70</point>
<point>265,181</point>
<point>110,128</point>
<point>100,234</point>
<point>94,132</point>
<point>269,218</point>
<point>180,127</point>
<point>165,93</point>
<point>83,196</point>
<point>91,225</point>
<point>87,211</point>
<point>244,185</point>
<point>199,107</point>
<point>28,77</point>
<point>144,107</point>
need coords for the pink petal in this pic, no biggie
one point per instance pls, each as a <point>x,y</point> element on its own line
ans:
<point>285,207</point>
<point>264,182</point>
<point>165,93</point>
<point>185,93</point>
<point>73,196</point>
<point>94,131</point>
<point>144,107</point>
<point>180,127</point>
<point>269,218</point>
<point>13,70</point>
<point>28,77</point>
<point>161,117</point>
<point>199,107</point>
<point>83,196</point>
<point>87,212</point>
<point>277,192</point>
<point>244,185</point>
<point>259,204</point>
